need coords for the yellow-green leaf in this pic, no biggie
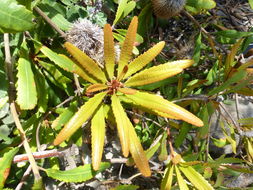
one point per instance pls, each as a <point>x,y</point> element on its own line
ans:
<point>97,137</point>
<point>82,115</point>
<point>126,50</point>
<point>180,180</point>
<point>153,74</point>
<point>137,151</point>
<point>195,178</point>
<point>168,177</point>
<point>154,102</point>
<point>121,118</point>
<point>26,87</point>
<point>85,61</point>
<point>142,60</point>
<point>67,64</point>
<point>109,51</point>
<point>96,87</point>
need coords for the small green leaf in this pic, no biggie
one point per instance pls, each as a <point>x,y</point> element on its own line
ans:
<point>180,180</point>
<point>38,185</point>
<point>14,18</point>
<point>79,174</point>
<point>197,49</point>
<point>83,114</point>
<point>5,165</point>
<point>251,3</point>
<point>26,87</point>
<point>168,177</point>
<point>122,5</point>
<point>195,178</point>
<point>97,137</point>
<point>129,7</point>
<point>126,187</point>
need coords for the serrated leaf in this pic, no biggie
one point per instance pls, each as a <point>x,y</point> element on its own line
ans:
<point>26,87</point>
<point>158,73</point>
<point>145,58</point>
<point>86,62</point>
<point>121,117</point>
<point>96,87</point>
<point>195,178</point>
<point>5,165</point>
<point>67,64</point>
<point>154,102</point>
<point>180,180</point>
<point>137,151</point>
<point>79,174</point>
<point>168,177</point>
<point>126,50</point>
<point>14,18</point>
<point>109,51</point>
<point>82,115</point>
<point>97,137</point>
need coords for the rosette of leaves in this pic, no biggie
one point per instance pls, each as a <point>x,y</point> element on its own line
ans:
<point>116,82</point>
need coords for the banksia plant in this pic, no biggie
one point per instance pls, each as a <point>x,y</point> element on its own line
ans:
<point>116,82</point>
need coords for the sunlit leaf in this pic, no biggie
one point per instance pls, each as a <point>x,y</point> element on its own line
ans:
<point>85,61</point>
<point>195,178</point>
<point>122,127</point>
<point>64,117</point>
<point>26,87</point>
<point>67,64</point>
<point>96,87</point>
<point>180,180</point>
<point>109,51</point>
<point>168,177</point>
<point>145,58</point>
<point>126,50</point>
<point>158,73</point>
<point>97,137</point>
<point>137,151</point>
<point>79,174</point>
<point>154,102</point>
<point>83,114</point>
<point>14,18</point>
<point>120,10</point>
<point>5,165</point>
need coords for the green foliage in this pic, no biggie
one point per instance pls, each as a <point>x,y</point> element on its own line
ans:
<point>14,18</point>
<point>78,174</point>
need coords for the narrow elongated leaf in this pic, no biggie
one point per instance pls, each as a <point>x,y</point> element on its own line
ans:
<point>85,61</point>
<point>67,64</point>
<point>122,126</point>
<point>83,114</point>
<point>97,137</point>
<point>158,73</point>
<point>79,174</point>
<point>14,18</point>
<point>154,102</point>
<point>120,10</point>
<point>180,180</point>
<point>235,78</point>
<point>5,165</point>
<point>109,51</point>
<point>168,177</point>
<point>96,87</point>
<point>64,117</point>
<point>151,75</point>
<point>26,87</point>
<point>126,50</point>
<point>195,178</point>
<point>137,151</point>
<point>142,60</point>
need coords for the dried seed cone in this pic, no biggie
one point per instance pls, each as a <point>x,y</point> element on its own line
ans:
<point>167,8</point>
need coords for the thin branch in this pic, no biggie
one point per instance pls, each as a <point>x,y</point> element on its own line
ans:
<point>14,113</point>
<point>46,18</point>
<point>23,179</point>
